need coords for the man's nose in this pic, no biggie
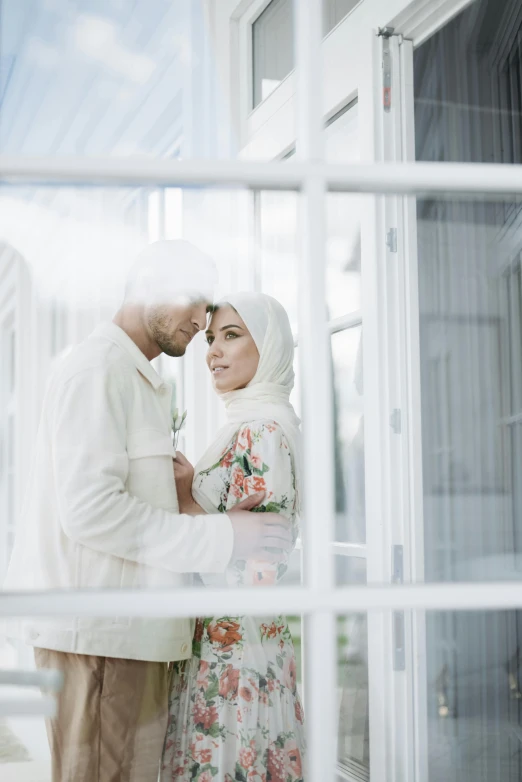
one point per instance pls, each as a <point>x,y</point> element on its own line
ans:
<point>199,321</point>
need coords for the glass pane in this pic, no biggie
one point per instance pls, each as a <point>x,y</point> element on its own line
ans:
<point>471,376</point>
<point>349,436</point>
<point>88,287</point>
<point>277,241</point>
<point>476,116</point>
<point>467,108</point>
<point>474,696</point>
<point>469,256</point>
<point>353,747</point>
<point>334,11</point>
<point>111,78</point>
<point>272,48</point>
<point>343,275</point>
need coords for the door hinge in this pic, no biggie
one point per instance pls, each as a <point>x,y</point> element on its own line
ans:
<point>398,629</point>
<point>386,33</point>
<point>391,240</point>
<point>396,421</point>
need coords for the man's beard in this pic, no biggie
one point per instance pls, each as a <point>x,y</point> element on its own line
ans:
<point>166,343</point>
<point>169,346</point>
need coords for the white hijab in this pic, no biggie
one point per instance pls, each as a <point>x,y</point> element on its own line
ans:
<point>267,396</point>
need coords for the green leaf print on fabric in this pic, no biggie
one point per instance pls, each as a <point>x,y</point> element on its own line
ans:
<point>213,688</point>
<point>235,714</point>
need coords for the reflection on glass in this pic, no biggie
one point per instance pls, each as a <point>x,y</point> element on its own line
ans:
<point>273,42</point>
<point>278,239</point>
<point>474,696</point>
<point>343,272</point>
<point>353,748</point>
<point>110,78</point>
<point>277,226</point>
<point>334,12</point>
<point>467,108</point>
<point>349,435</point>
<point>272,48</point>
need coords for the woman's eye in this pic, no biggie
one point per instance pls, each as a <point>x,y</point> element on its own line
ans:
<point>210,340</point>
<point>231,334</point>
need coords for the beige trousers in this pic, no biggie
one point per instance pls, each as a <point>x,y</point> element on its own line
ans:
<point>111,719</point>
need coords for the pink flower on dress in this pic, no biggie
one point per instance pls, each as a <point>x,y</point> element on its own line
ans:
<point>204,715</point>
<point>260,573</point>
<point>224,633</point>
<point>202,677</point>
<point>206,776</point>
<point>299,712</point>
<point>256,461</point>
<point>276,764</point>
<point>228,458</point>
<point>246,694</point>
<point>244,440</point>
<point>229,682</point>
<point>235,491</point>
<point>293,759</point>
<point>247,757</point>
<point>254,483</point>
<point>237,476</point>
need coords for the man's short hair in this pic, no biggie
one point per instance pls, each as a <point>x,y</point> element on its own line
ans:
<point>168,270</point>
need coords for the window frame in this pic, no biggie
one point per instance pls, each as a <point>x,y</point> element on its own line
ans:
<point>318,599</point>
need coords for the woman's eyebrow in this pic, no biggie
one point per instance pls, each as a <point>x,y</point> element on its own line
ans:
<point>230,326</point>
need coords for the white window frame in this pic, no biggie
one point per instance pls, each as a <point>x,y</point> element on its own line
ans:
<point>319,598</point>
<point>268,131</point>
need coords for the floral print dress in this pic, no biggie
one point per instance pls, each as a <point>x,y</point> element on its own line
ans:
<point>235,714</point>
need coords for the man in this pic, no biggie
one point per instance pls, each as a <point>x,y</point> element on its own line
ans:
<point>102,512</point>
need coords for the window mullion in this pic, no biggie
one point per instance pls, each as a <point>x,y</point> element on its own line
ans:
<point>316,393</point>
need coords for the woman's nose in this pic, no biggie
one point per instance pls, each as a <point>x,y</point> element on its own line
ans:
<point>215,351</point>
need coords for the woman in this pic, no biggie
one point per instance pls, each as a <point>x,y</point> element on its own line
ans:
<point>235,713</point>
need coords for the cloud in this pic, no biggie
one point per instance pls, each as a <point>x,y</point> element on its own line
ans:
<point>97,38</point>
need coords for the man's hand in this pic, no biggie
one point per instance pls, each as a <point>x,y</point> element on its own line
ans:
<point>256,533</point>
<point>184,476</point>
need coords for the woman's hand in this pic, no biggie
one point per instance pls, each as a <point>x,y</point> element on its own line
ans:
<point>184,476</point>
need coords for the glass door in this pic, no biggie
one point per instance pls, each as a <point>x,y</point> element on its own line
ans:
<point>456,97</point>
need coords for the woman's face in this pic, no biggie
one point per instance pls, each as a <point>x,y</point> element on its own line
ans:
<point>232,355</point>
